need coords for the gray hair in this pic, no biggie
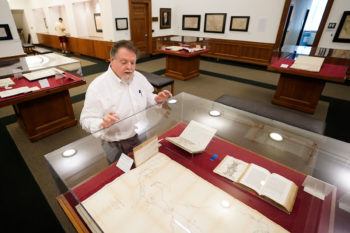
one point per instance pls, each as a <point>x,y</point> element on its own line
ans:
<point>122,44</point>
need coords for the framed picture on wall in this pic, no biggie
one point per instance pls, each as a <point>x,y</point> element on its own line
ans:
<point>191,22</point>
<point>121,23</point>
<point>98,22</point>
<point>5,32</point>
<point>215,22</point>
<point>239,23</point>
<point>165,18</point>
<point>343,31</point>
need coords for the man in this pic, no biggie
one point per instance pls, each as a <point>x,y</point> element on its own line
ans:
<point>61,33</point>
<point>114,96</point>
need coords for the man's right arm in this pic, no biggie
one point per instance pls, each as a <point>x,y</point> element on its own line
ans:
<point>91,116</point>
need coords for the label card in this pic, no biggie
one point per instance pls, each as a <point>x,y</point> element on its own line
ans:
<point>44,83</point>
<point>124,163</point>
<point>284,65</point>
<point>317,188</point>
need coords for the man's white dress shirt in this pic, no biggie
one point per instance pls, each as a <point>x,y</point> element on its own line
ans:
<point>108,93</point>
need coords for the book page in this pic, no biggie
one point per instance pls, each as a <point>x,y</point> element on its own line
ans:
<point>184,144</point>
<point>146,150</point>
<point>231,168</point>
<point>277,188</point>
<point>198,133</point>
<point>308,63</point>
<point>255,177</point>
<point>195,138</point>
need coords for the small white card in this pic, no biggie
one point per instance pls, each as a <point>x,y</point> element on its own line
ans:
<point>44,83</point>
<point>284,65</point>
<point>317,188</point>
<point>124,163</point>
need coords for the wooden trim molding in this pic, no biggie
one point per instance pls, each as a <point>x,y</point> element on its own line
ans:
<point>322,25</point>
<point>72,215</point>
<point>282,25</point>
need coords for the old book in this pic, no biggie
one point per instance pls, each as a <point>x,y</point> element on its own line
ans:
<point>272,187</point>
<point>195,138</point>
<point>308,63</point>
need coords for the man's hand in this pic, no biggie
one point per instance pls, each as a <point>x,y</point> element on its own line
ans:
<point>109,120</point>
<point>162,96</point>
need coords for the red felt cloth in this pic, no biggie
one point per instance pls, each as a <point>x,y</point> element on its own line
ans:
<point>307,210</point>
<point>327,70</point>
<point>54,83</point>
<point>183,53</point>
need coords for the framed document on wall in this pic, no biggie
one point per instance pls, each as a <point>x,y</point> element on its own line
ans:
<point>343,31</point>
<point>215,22</point>
<point>165,18</point>
<point>121,23</point>
<point>5,32</point>
<point>239,23</point>
<point>191,22</point>
<point>98,22</point>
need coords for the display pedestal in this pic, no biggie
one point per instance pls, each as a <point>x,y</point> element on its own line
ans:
<point>301,89</point>
<point>182,68</point>
<point>45,116</point>
<point>298,92</point>
<point>182,65</point>
<point>46,111</point>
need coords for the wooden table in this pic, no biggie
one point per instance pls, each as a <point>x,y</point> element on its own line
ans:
<point>182,65</point>
<point>300,89</point>
<point>46,111</point>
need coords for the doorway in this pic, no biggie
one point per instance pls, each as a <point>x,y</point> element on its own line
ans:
<point>304,23</point>
<point>21,25</point>
<point>141,25</point>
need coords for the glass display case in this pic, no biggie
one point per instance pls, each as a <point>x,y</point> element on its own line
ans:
<point>39,62</point>
<point>82,168</point>
<point>185,41</point>
<point>37,84</point>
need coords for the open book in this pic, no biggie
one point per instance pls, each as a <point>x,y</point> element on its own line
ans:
<point>195,138</point>
<point>272,187</point>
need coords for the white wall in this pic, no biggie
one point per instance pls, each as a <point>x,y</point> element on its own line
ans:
<point>263,25</point>
<point>326,41</point>
<point>120,9</point>
<point>12,47</point>
<point>156,5</point>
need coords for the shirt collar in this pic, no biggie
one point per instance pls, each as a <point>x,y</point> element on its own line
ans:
<point>116,77</point>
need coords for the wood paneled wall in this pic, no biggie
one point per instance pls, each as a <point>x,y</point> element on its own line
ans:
<point>88,47</point>
<point>243,51</point>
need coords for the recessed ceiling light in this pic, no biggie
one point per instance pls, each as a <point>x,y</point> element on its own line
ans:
<point>69,153</point>
<point>214,113</point>
<point>276,136</point>
<point>172,101</point>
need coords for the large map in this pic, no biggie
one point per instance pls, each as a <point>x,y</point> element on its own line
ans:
<point>163,196</point>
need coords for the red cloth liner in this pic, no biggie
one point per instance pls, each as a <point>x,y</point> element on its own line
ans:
<point>331,70</point>
<point>307,211</point>
<point>68,78</point>
<point>184,53</point>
